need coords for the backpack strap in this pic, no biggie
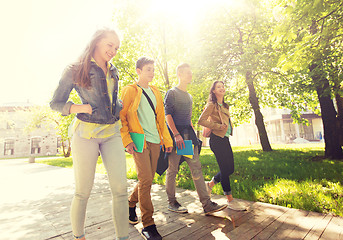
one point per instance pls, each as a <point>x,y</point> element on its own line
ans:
<point>149,100</point>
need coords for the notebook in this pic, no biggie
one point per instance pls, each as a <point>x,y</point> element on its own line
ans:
<point>187,150</point>
<point>138,140</point>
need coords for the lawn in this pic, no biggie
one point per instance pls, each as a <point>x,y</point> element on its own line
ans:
<point>290,176</point>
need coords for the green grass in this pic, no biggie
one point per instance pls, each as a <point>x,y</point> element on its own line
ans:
<point>288,176</point>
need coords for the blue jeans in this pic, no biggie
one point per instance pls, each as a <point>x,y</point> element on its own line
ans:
<point>222,150</point>
<point>85,156</point>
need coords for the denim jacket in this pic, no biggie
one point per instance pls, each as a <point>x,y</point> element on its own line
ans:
<point>103,112</point>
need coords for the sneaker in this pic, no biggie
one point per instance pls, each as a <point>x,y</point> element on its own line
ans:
<point>213,207</point>
<point>151,233</point>
<point>176,207</point>
<point>208,188</point>
<point>236,205</point>
<point>133,219</point>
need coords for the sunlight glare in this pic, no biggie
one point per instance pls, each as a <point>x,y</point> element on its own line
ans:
<point>186,11</point>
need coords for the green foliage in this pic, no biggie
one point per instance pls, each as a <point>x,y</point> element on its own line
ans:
<point>152,33</point>
<point>58,162</point>
<point>227,40</point>
<point>282,177</point>
<point>318,195</point>
<point>309,32</point>
<point>239,43</point>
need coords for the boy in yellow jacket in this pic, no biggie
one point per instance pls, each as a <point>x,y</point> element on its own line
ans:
<point>143,112</point>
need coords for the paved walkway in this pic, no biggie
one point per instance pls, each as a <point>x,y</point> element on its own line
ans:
<point>35,201</point>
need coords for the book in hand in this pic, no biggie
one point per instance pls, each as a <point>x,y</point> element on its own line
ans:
<point>187,150</point>
<point>138,140</point>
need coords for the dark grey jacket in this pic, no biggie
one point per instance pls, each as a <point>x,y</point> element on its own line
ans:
<point>97,96</point>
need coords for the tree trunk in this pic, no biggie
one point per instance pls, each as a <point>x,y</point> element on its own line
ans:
<point>164,59</point>
<point>258,115</point>
<point>166,76</point>
<point>69,149</point>
<point>339,101</point>
<point>333,149</point>
<point>66,152</point>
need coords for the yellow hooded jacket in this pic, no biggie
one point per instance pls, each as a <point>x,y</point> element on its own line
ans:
<point>131,97</point>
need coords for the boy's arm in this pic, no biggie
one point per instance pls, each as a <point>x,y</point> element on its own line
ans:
<point>169,103</point>
<point>169,110</point>
<point>171,124</point>
<point>168,142</point>
<point>124,131</point>
<point>177,137</point>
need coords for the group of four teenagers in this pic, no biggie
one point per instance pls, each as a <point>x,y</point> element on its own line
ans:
<point>103,125</point>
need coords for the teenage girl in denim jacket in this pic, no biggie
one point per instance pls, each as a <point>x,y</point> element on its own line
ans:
<point>96,128</point>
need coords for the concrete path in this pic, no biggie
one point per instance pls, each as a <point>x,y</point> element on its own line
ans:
<point>24,188</point>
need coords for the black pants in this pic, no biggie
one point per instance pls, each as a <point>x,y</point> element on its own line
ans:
<point>222,150</point>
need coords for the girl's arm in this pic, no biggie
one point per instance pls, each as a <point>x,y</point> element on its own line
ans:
<point>61,95</point>
<point>60,101</point>
<point>203,120</point>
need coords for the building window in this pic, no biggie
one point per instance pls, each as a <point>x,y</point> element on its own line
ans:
<point>306,132</point>
<point>9,147</point>
<point>289,130</point>
<point>59,144</point>
<point>35,145</point>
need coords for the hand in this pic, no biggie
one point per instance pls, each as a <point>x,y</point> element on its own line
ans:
<point>223,126</point>
<point>130,148</point>
<point>121,102</point>
<point>169,149</point>
<point>179,142</point>
<point>86,108</point>
<point>81,108</point>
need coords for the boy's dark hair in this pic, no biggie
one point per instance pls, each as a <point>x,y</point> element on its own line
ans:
<point>142,61</point>
<point>181,67</point>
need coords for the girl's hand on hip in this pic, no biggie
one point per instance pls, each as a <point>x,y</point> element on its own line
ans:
<point>87,108</point>
<point>81,108</point>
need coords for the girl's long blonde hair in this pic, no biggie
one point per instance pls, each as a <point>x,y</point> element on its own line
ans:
<point>81,71</point>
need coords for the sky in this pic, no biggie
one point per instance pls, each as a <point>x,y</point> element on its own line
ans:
<point>39,38</point>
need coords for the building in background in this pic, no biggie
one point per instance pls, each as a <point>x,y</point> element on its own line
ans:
<point>16,142</point>
<point>280,128</point>
<point>43,141</point>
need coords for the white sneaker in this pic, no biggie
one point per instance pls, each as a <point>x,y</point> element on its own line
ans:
<point>236,205</point>
<point>208,188</point>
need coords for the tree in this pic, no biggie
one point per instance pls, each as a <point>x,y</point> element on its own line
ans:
<point>150,29</point>
<point>238,48</point>
<point>311,32</point>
